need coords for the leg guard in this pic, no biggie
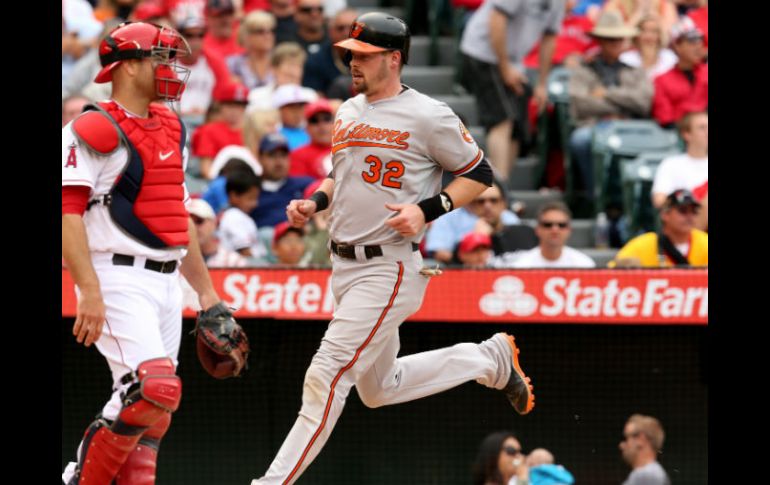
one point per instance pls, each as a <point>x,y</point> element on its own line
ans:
<point>156,392</point>
<point>139,468</point>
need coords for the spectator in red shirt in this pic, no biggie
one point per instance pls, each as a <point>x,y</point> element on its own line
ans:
<point>222,35</point>
<point>208,139</point>
<point>685,88</point>
<point>309,159</point>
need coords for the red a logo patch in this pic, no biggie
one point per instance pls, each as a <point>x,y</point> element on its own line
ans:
<point>72,160</point>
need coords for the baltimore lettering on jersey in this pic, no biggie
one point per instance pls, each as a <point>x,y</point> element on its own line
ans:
<point>359,135</point>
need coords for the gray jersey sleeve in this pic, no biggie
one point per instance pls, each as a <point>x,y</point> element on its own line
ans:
<point>555,18</point>
<point>451,145</point>
<point>509,7</point>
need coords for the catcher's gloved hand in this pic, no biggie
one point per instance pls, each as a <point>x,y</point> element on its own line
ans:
<point>222,345</point>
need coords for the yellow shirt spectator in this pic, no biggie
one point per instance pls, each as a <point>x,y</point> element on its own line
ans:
<point>643,251</point>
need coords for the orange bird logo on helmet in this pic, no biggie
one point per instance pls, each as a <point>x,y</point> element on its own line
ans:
<point>358,27</point>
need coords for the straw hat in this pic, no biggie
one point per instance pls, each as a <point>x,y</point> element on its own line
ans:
<point>611,26</point>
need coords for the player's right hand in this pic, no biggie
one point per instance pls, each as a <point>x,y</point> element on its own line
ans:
<point>91,314</point>
<point>299,211</point>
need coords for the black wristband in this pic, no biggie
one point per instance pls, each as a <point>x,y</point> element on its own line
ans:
<point>321,200</point>
<point>436,206</point>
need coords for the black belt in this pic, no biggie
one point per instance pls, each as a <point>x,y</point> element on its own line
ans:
<point>105,200</point>
<point>159,266</point>
<point>349,252</point>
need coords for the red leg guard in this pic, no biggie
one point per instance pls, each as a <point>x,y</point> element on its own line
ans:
<point>139,468</point>
<point>105,450</point>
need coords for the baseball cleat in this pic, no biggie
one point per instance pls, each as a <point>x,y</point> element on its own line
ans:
<point>519,388</point>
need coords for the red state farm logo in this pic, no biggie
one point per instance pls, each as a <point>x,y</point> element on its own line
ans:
<point>656,299</point>
<point>508,296</point>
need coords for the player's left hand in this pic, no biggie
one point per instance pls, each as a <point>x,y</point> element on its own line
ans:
<point>409,219</point>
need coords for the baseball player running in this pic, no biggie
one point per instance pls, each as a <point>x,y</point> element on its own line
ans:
<point>125,231</point>
<point>390,145</point>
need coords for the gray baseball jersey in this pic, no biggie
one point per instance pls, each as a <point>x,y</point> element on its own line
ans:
<point>392,151</point>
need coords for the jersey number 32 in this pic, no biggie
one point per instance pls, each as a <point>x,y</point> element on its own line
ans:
<point>394,169</point>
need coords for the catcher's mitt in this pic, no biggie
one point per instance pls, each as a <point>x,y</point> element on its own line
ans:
<point>222,345</point>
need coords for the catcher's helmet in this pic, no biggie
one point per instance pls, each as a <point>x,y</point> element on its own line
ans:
<point>138,40</point>
<point>378,32</point>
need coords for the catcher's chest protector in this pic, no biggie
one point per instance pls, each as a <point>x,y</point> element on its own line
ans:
<point>147,200</point>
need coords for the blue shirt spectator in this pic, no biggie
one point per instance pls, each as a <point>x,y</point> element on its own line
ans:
<point>278,188</point>
<point>447,231</point>
<point>274,198</point>
<point>297,137</point>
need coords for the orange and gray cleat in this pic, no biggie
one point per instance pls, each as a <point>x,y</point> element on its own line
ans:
<point>519,388</point>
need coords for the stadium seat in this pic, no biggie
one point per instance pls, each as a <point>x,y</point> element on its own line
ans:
<point>637,177</point>
<point>553,131</point>
<point>620,141</point>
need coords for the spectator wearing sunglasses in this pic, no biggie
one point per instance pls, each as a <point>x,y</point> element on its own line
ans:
<point>309,160</point>
<point>553,230</point>
<point>311,31</point>
<point>640,444</point>
<point>257,35</point>
<point>500,461</point>
<point>679,243</point>
<point>326,65</point>
<point>486,214</point>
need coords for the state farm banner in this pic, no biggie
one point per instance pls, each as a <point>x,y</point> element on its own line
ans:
<point>548,296</point>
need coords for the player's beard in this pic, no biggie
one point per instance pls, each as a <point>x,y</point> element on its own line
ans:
<point>365,86</point>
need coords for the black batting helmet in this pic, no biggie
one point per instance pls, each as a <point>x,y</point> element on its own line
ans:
<point>378,32</point>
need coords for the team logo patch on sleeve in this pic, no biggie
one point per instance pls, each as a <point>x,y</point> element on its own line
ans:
<point>466,134</point>
<point>72,160</point>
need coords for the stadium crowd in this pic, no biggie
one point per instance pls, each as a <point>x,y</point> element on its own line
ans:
<point>266,81</point>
